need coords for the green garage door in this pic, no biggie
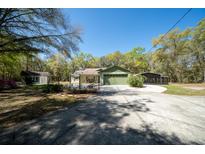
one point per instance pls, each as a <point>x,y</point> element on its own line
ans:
<point>115,79</point>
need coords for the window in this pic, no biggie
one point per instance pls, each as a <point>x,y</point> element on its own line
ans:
<point>90,79</point>
<point>35,78</point>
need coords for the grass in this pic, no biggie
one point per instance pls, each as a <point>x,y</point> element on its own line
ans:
<point>189,84</point>
<point>28,103</point>
<point>185,89</point>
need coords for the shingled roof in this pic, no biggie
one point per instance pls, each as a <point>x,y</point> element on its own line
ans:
<point>88,71</point>
<point>93,71</point>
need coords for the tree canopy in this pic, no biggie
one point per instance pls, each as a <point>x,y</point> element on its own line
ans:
<point>24,33</point>
<point>37,30</point>
<point>181,54</point>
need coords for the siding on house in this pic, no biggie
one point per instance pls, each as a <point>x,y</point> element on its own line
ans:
<point>43,80</point>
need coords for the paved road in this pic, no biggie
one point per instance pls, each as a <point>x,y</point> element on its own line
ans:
<point>118,115</point>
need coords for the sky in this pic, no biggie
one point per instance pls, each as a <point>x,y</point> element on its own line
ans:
<point>107,30</point>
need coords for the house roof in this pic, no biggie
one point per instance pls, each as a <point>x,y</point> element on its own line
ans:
<point>118,67</point>
<point>35,73</point>
<point>95,71</point>
<point>87,71</point>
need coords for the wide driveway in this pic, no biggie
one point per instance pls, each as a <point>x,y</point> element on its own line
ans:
<point>118,115</point>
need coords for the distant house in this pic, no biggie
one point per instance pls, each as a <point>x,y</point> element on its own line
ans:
<point>33,77</point>
<point>114,75</point>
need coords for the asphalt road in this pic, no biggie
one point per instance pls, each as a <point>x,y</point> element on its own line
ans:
<point>118,115</point>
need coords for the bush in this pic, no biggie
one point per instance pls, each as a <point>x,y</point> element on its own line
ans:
<point>7,84</point>
<point>136,80</point>
<point>53,88</point>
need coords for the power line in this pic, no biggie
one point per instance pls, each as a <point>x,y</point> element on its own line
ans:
<point>171,28</point>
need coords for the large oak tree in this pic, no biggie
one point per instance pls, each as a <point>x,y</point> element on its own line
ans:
<point>37,30</point>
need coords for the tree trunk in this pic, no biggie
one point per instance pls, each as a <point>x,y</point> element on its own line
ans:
<point>204,74</point>
<point>58,80</point>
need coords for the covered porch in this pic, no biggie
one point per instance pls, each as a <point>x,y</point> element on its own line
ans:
<point>86,79</point>
<point>90,81</point>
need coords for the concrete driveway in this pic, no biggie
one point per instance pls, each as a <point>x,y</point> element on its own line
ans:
<point>118,115</point>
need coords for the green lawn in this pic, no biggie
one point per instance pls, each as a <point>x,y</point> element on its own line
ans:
<point>182,89</point>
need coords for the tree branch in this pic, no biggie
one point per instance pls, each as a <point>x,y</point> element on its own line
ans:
<point>32,38</point>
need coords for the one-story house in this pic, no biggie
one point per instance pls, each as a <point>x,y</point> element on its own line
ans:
<point>114,75</point>
<point>33,77</point>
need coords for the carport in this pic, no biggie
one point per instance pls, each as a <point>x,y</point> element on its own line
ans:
<point>154,78</point>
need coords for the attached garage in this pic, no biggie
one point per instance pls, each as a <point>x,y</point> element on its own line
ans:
<point>115,79</point>
<point>114,75</point>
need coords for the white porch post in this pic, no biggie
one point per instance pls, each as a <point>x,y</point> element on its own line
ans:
<point>79,81</point>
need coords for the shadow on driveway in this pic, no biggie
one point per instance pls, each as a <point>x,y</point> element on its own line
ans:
<point>93,122</point>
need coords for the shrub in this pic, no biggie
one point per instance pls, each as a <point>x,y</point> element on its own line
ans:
<point>11,84</point>
<point>136,80</point>
<point>52,88</point>
<point>7,84</point>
